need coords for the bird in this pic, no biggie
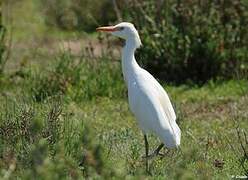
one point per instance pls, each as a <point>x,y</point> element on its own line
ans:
<point>147,99</point>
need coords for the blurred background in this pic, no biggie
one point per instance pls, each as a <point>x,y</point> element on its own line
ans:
<point>60,79</point>
<point>183,41</point>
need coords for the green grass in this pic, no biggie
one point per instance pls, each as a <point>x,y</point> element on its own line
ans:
<point>72,123</point>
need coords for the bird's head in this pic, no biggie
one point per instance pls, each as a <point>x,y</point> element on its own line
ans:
<point>123,30</point>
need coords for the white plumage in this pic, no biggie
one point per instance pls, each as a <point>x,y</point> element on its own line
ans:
<point>148,100</point>
<point>152,107</point>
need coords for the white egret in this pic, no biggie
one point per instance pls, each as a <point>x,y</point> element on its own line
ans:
<point>147,99</point>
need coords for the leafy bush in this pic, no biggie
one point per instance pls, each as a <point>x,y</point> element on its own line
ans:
<point>42,142</point>
<point>79,78</point>
<point>77,14</point>
<point>191,40</point>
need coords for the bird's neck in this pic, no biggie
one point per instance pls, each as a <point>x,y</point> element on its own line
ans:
<point>129,64</point>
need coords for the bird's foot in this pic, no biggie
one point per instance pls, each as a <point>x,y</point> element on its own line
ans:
<point>155,154</point>
<point>150,156</point>
<point>162,155</point>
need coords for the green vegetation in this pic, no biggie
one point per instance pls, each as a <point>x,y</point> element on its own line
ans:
<point>77,78</point>
<point>3,57</point>
<point>49,137</point>
<point>77,14</point>
<point>196,40</point>
<point>64,114</point>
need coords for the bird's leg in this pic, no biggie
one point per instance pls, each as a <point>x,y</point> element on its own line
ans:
<point>147,151</point>
<point>156,152</point>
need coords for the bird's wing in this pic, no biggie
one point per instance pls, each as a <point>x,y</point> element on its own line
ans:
<point>165,112</point>
<point>162,97</point>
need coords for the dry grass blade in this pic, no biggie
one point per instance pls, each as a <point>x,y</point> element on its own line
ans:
<point>51,131</point>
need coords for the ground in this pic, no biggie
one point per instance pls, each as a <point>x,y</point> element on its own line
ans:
<point>83,126</point>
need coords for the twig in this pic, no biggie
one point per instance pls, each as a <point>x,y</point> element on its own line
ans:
<point>149,19</point>
<point>241,143</point>
<point>117,11</point>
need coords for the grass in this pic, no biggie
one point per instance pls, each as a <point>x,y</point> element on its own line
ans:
<point>65,116</point>
<point>74,123</point>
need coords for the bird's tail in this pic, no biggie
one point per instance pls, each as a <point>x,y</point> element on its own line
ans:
<point>177,134</point>
<point>171,137</point>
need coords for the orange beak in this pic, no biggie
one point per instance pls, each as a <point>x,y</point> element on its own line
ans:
<point>107,29</point>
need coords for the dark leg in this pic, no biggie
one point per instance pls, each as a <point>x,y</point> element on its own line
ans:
<point>156,152</point>
<point>147,151</point>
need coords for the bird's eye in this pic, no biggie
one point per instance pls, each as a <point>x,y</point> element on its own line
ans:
<point>121,28</point>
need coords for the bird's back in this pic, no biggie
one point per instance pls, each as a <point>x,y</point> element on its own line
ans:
<point>152,108</point>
